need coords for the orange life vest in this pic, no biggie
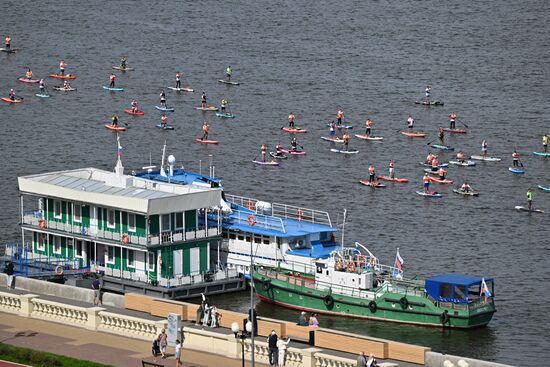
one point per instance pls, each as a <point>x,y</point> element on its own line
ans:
<point>340,114</point>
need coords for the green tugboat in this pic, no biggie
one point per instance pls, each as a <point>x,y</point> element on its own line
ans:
<point>352,284</point>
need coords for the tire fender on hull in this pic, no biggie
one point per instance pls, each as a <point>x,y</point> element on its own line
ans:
<point>328,301</point>
<point>372,306</point>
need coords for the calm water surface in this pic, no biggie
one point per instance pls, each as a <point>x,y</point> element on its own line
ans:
<point>489,62</point>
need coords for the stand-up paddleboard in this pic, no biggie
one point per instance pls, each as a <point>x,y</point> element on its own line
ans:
<point>463,164</point>
<point>374,184</point>
<point>120,68</point>
<point>430,103</point>
<point>294,130</point>
<point>333,139</point>
<point>431,194</point>
<point>414,134</point>
<point>225,115</point>
<point>66,76</point>
<point>392,179</point>
<point>438,166</point>
<point>369,137</point>
<point>293,152</point>
<point>199,140</point>
<point>228,82</point>
<point>42,95</point>
<point>63,89</point>
<point>342,126</point>
<point>113,89</point>
<point>442,147</point>
<point>542,154</point>
<point>115,128</point>
<point>184,89</point>
<point>9,100</point>
<point>30,81</point>
<point>465,193</point>
<point>431,171</point>
<point>165,109</point>
<point>164,127</point>
<point>9,50</point>
<point>516,170</point>
<point>268,163</point>
<point>454,131</point>
<point>344,151</point>
<point>137,113</point>
<point>208,108</point>
<point>440,181</point>
<point>525,209</point>
<point>543,188</point>
<point>486,159</point>
<point>275,155</point>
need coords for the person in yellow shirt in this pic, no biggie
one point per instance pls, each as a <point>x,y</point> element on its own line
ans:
<point>545,142</point>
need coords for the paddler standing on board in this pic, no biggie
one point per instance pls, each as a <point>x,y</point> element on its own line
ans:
<point>441,173</point>
<point>203,100</point>
<point>42,86</point>
<point>28,74</point>
<point>460,157</point>
<point>163,120</point>
<point>410,123</point>
<point>134,106</point>
<point>392,169</point>
<point>11,94</point>
<point>515,159</point>
<point>346,141</point>
<point>8,42</point>
<point>291,119</point>
<point>162,99</point>
<point>228,73</point>
<point>112,79</point>
<point>332,129</point>
<point>372,173</point>
<point>428,92</point>
<point>435,164</point>
<point>264,151</point>
<point>340,117</point>
<point>178,80</point>
<point>223,105</point>
<point>426,180</point>
<point>62,67</point>
<point>545,143</point>
<point>452,119</point>
<point>368,127</point>
<point>205,128</point>
<point>294,144</point>
<point>114,120</point>
<point>279,150</point>
<point>441,136</point>
<point>123,61</point>
<point>529,199</point>
<point>484,148</point>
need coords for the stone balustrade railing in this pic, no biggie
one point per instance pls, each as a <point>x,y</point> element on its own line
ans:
<point>327,360</point>
<point>128,326</point>
<point>10,302</point>
<point>58,312</point>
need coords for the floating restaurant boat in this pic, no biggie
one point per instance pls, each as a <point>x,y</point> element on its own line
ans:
<point>349,283</point>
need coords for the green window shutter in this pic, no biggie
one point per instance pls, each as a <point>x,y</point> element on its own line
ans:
<point>203,257</point>
<point>186,269</point>
<point>190,219</point>
<point>154,226</point>
<point>86,215</point>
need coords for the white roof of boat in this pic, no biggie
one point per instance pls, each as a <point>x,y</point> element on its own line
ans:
<point>131,193</point>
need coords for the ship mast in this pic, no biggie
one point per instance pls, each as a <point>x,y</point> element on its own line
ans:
<point>343,225</point>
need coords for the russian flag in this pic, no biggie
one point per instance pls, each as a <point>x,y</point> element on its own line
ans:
<point>398,264</point>
<point>119,152</point>
<point>485,290</point>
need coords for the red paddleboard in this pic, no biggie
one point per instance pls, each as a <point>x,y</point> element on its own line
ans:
<point>372,184</point>
<point>198,140</point>
<point>9,100</point>
<point>414,134</point>
<point>455,131</point>
<point>294,130</point>
<point>445,181</point>
<point>294,152</point>
<point>137,113</point>
<point>67,76</point>
<point>25,80</point>
<point>395,179</point>
<point>115,128</point>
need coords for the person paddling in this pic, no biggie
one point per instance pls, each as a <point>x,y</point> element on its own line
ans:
<point>223,105</point>
<point>428,92</point>
<point>346,140</point>
<point>372,173</point>
<point>441,136</point>
<point>178,80</point>
<point>62,67</point>
<point>114,120</point>
<point>466,187</point>
<point>291,119</point>
<point>263,149</point>
<point>340,117</point>
<point>163,99</point>
<point>203,100</point>
<point>294,144</point>
<point>392,169</point>
<point>123,61</point>
<point>163,120</point>
<point>410,123</point>
<point>11,94</point>
<point>460,157</point>
<point>426,180</point>
<point>530,199</point>
<point>228,73</point>
<point>430,158</point>
<point>8,42</point>
<point>332,129</point>
<point>134,106</point>
<point>452,119</point>
<point>205,128</point>
<point>42,86</point>
<point>28,74</point>
<point>515,159</point>
<point>435,164</point>
<point>484,148</point>
<point>545,143</point>
<point>112,79</point>
<point>66,85</point>
<point>368,127</point>
<point>441,173</point>
<point>279,150</point>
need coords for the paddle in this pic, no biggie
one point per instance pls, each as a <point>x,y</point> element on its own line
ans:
<point>466,126</point>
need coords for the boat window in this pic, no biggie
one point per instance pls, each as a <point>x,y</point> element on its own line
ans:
<point>225,234</point>
<point>77,215</point>
<point>57,209</point>
<point>165,222</point>
<point>474,292</point>
<point>247,238</point>
<point>131,222</point>
<point>179,220</point>
<point>111,218</point>
<point>266,241</point>
<point>241,238</point>
<point>319,270</point>
<point>258,239</point>
<point>445,290</point>
<point>232,236</point>
<point>460,292</point>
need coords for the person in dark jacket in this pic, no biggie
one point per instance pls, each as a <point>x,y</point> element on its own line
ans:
<point>273,350</point>
<point>9,270</point>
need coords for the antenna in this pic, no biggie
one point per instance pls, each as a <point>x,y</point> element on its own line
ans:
<point>162,173</point>
<point>343,225</point>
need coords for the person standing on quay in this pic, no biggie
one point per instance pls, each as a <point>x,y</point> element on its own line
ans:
<point>273,350</point>
<point>361,360</point>
<point>178,353</point>
<point>281,346</point>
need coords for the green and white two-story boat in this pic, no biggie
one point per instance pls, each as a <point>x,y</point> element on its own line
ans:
<point>349,283</point>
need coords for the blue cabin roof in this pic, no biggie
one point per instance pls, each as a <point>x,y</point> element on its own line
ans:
<point>182,177</point>
<point>456,279</point>
<point>443,287</point>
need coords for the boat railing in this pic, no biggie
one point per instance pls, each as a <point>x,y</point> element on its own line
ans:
<point>283,210</point>
<point>256,220</point>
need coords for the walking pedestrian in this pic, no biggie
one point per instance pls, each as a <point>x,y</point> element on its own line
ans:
<point>97,284</point>
<point>273,350</point>
<point>9,271</point>
<point>281,346</point>
<point>178,353</point>
<point>163,343</point>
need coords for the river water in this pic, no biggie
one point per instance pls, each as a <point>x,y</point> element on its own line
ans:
<point>488,61</point>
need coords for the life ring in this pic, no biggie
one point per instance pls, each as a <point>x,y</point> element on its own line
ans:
<point>266,285</point>
<point>372,306</point>
<point>444,317</point>
<point>351,266</point>
<point>299,214</point>
<point>328,301</point>
<point>41,224</point>
<point>125,238</point>
<point>251,220</point>
<point>361,260</point>
<point>404,302</point>
<point>59,270</point>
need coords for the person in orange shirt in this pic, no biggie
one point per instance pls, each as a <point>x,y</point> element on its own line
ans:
<point>426,181</point>
<point>430,158</point>
<point>340,117</point>
<point>205,128</point>
<point>28,74</point>
<point>62,67</point>
<point>346,140</point>
<point>8,42</point>
<point>291,119</point>
<point>372,173</point>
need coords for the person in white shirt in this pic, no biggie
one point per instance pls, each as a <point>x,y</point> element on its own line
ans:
<point>178,353</point>
<point>281,345</point>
